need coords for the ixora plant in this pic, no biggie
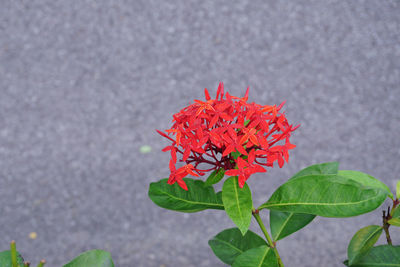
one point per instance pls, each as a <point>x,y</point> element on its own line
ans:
<point>91,258</point>
<point>230,136</point>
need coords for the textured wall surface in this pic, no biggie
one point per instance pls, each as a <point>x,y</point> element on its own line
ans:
<point>83,85</point>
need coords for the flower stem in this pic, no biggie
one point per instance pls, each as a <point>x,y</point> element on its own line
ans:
<point>270,242</point>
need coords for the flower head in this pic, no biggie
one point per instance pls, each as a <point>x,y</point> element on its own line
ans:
<point>230,133</point>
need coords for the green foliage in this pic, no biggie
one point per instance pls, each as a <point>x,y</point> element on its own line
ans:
<point>398,189</point>
<point>5,259</point>
<point>237,203</point>
<point>98,258</point>
<point>261,256</point>
<point>395,217</point>
<point>363,241</point>
<point>215,177</point>
<point>286,223</point>
<point>380,256</point>
<point>320,189</point>
<point>321,168</point>
<point>199,197</point>
<point>326,195</point>
<point>366,180</point>
<point>230,243</point>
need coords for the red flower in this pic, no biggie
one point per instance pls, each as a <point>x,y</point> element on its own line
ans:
<point>228,133</point>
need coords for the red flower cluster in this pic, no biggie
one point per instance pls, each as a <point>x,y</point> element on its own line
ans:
<point>227,133</point>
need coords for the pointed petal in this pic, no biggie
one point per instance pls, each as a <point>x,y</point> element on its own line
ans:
<point>220,90</point>
<point>246,95</point>
<point>186,153</point>
<point>254,140</point>
<point>165,149</point>
<point>258,168</point>
<point>241,180</point>
<point>229,149</point>
<point>244,138</point>
<point>281,105</point>
<point>192,173</point>
<point>226,117</point>
<point>178,137</point>
<point>207,94</point>
<point>172,166</point>
<point>232,133</point>
<point>222,106</point>
<point>232,172</point>
<point>280,161</point>
<point>295,127</point>
<point>286,155</point>
<point>199,110</point>
<point>173,154</point>
<point>172,178</point>
<point>241,149</point>
<point>199,102</point>
<point>241,163</point>
<point>252,156</point>
<point>182,184</point>
<point>214,120</point>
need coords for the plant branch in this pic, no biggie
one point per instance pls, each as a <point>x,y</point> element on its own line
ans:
<point>270,242</point>
<point>386,217</point>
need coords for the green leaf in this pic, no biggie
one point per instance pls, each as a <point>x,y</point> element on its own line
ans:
<point>398,190</point>
<point>322,168</point>
<point>238,203</point>
<point>98,258</point>
<point>261,256</point>
<point>365,179</point>
<point>230,243</point>
<point>362,242</point>
<point>395,217</point>
<point>327,195</point>
<point>215,177</point>
<point>380,256</point>
<point>199,197</point>
<point>5,259</point>
<point>286,223</point>
<point>394,222</point>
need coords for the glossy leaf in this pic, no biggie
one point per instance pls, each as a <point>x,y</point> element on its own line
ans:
<point>380,256</point>
<point>395,217</point>
<point>215,177</point>
<point>365,179</point>
<point>5,259</point>
<point>363,241</point>
<point>237,203</point>
<point>230,243</point>
<point>325,195</point>
<point>98,258</point>
<point>322,168</point>
<point>199,197</point>
<point>261,256</point>
<point>398,189</point>
<point>286,223</point>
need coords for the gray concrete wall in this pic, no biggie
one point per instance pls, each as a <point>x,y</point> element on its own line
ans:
<point>84,84</point>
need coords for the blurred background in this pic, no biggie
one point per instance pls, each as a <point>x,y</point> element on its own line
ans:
<point>84,85</point>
